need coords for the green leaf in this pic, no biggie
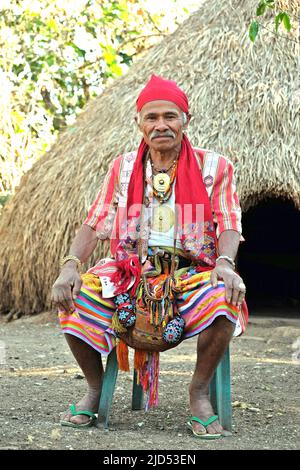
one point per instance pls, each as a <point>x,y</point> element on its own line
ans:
<point>4,199</point>
<point>36,67</point>
<point>50,59</point>
<point>261,9</point>
<point>287,22</point>
<point>18,68</point>
<point>116,69</point>
<point>109,57</point>
<point>253,30</point>
<point>133,32</point>
<point>77,49</point>
<point>278,20</point>
<point>61,82</point>
<point>109,54</point>
<point>18,121</point>
<point>126,59</point>
<point>51,23</point>
<point>91,28</point>
<point>124,15</point>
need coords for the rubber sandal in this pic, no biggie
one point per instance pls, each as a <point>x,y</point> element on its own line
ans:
<point>203,435</point>
<point>89,423</point>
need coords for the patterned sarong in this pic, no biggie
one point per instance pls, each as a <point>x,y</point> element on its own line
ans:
<point>199,304</point>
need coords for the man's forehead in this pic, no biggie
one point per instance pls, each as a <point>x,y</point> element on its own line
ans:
<point>159,106</point>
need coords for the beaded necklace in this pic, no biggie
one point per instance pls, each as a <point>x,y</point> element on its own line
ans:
<point>162,182</point>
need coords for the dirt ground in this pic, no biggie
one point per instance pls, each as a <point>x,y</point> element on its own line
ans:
<point>39,378</point>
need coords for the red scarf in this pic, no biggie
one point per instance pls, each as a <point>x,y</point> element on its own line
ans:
<point>197,234</point>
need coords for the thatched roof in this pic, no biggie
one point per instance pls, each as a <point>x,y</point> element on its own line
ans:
<point>245,101</point>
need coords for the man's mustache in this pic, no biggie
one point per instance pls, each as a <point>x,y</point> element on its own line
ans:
<point>155,134</point>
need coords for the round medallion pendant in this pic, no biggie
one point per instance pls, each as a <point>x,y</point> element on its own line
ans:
<point>163,218</point>
<point>161,182</point>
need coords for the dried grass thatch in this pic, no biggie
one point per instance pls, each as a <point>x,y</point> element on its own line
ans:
<point>245,100</point>
<point>290,6</point>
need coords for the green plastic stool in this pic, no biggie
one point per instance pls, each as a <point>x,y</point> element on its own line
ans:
<point>219,391</point>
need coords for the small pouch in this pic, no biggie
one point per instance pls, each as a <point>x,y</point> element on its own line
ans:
<point>125,309</point>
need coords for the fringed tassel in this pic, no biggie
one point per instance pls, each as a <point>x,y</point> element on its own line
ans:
<point>139,292</point>
<point>122,356</point>
<point>148,376</point>
<point>140,357</point>
<point>116,325</point>
<point>171,301</point>
<point>127,268</point>
<point>157,314</point>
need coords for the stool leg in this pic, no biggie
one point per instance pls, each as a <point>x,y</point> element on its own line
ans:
<point>213,392</point>
<point>137,394</point>
<point>220,392</point>
<point>108,387</point>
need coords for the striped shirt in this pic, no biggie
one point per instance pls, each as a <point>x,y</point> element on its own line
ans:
<point>218,177</point>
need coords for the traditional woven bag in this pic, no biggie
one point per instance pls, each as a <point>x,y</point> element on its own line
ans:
<point>153,315</point>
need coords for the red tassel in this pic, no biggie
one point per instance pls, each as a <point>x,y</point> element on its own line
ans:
<point>148,378</point>
<point>136,272</point>
<point>122,356</point>
<point>140,357</point>
<point>126,269</point>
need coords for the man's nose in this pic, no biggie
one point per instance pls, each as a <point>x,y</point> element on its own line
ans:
<point>160,124</point>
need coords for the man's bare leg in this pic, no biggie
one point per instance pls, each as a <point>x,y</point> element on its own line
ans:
<point>90,362</point>
<point>212,344</point>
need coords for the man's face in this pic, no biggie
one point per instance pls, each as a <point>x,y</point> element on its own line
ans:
<point>161,123</point>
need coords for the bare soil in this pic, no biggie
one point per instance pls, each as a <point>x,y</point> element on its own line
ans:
<point>39,378</point>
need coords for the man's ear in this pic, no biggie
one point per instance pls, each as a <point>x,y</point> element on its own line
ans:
<point>188,118</point>
<point>137,121</point>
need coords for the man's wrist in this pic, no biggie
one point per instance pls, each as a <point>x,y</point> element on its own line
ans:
<point>71,261</point>
<point>226,261</point>
<point>70,264</point>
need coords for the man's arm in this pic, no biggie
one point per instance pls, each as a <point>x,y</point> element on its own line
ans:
<point>68,283</point>
<point>227,211</point>
<point>228,244</point>
<point>100,216</point>
<point>83,244</point>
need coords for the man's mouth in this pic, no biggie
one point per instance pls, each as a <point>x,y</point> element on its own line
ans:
<point>162,137</point>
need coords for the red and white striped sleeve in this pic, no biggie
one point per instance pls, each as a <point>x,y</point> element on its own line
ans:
<point>102,213</point>
<point>225,202</point>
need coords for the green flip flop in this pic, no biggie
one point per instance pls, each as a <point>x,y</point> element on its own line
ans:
<point>74,412</point>
<point>203,435</point>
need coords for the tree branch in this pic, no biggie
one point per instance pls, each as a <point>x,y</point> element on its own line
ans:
<point>278,35</point>
<point>139,37</point>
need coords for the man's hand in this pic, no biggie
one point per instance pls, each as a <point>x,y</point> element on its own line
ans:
<point>235,288</point>
<point>66,288</point>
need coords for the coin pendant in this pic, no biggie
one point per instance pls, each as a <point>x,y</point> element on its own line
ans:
<point>161,182</point>
<point>163,218</point>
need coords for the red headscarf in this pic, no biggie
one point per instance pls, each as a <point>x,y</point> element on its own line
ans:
<point>160,89</point>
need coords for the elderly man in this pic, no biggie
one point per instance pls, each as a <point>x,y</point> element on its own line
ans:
<point>166,198</point>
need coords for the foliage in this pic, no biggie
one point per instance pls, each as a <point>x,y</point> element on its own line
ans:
<point>55,56</point>
<point>281,17</point>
